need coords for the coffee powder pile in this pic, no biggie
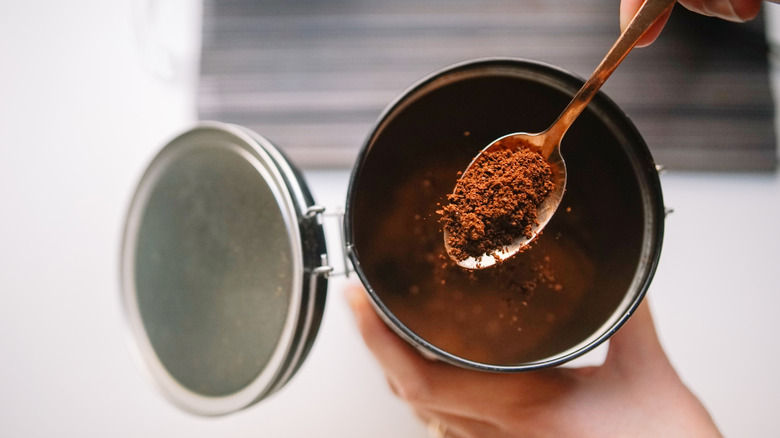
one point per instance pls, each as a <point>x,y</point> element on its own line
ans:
<point>495,202</point>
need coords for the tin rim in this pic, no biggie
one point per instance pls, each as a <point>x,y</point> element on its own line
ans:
<point>644,169</point>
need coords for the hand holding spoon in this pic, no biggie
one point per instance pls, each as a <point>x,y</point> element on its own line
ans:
<point>547,143</point>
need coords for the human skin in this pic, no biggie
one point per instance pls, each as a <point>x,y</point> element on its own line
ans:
<point>731,10</point>
<point>636,392</point>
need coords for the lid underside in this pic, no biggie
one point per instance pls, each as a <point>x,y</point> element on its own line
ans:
<point>212,271</point>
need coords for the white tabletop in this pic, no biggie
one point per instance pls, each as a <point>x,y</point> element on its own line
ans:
<point>86,99</point>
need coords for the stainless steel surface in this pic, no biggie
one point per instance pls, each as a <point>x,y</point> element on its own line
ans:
<point>548,142</point>
<point>217,295</point>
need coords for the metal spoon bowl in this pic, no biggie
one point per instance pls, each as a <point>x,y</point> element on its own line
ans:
<point>547,143</point>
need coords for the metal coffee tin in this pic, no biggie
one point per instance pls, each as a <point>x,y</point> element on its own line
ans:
<point>223,269</point>
<point>603,245</point>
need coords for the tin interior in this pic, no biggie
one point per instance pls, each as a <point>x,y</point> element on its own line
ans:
<point>579,281</point>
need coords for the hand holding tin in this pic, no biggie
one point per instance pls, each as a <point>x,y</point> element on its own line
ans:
<point>547,145</point>
<point>634,392</point>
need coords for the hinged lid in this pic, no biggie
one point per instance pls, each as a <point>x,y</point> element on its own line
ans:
<point>221,269</point>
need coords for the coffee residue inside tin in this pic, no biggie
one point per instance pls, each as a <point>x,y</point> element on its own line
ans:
<point>497,315</point>
<point>495,201</point>
<point>546,300</point>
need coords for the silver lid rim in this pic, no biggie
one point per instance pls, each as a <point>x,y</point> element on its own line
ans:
<point>155,371</point>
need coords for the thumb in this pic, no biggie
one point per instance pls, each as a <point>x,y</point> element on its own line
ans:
<point>628,9</point>
<point>636,346</point>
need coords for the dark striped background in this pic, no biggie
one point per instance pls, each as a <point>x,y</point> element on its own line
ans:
<point>314,75</point>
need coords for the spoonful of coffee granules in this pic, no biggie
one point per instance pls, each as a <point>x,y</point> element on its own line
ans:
<point>492,204</point>
<point>507,195</point>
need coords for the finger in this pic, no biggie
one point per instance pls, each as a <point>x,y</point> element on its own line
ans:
<point>410,376</point>
<point>445,388</point>
<point>442,424</point>
<point>628,9</point>
<point>731,10</point>
<point>635,347</point>
<point>398,359</point>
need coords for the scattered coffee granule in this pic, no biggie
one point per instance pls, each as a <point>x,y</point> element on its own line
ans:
<point>495,202</point>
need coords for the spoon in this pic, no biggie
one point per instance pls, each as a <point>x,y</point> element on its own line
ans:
<point>547,143</point>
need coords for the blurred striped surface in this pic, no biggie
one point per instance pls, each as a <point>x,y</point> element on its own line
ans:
<point>313,76</point>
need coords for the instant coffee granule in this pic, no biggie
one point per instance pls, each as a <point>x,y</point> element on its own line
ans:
<point>495,202</point>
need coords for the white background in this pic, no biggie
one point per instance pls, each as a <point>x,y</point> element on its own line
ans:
<point>87,96</point>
